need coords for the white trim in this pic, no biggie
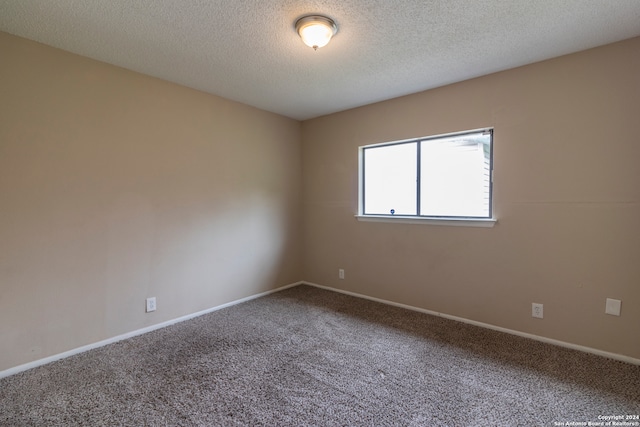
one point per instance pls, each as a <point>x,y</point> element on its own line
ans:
<point>44,361</point>
<point>584,349</point>
<point>55,357</point>
<point>456,222</point>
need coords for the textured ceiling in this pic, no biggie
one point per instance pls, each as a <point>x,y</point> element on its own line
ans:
<point>248,50</point>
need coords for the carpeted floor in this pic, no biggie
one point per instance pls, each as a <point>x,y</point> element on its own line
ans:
<point>306,356</point>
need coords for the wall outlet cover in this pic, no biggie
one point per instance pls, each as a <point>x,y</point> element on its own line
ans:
<point>613,307</point>
<point>151,304</point>
<point>537,310</point>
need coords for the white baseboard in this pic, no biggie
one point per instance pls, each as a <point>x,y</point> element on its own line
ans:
<point>53,358</point>
<point>584,349</point>
<point>44,361</point>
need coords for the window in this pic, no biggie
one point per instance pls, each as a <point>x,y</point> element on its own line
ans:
<point>441,177</point>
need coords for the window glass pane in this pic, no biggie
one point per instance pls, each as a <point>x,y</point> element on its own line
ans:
<point>455,176</point>
<point>390,179</point>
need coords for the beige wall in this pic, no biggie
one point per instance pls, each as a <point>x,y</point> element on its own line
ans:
<point>116,186</point>
<point>566,195</point>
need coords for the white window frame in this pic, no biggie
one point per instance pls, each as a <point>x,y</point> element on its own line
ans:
<point>424,219</point>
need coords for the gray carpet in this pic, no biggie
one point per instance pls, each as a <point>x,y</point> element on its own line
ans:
<point>306,356</point>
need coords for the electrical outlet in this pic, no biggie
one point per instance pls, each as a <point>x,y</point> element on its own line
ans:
<point>151,304</point>
<point>537,310</point>
<point>613,307</point>
<point>341,273</point>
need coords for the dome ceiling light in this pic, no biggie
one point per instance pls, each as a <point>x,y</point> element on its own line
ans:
<point>316,30</point>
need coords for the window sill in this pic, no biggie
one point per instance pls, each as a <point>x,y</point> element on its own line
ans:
<point>451,222</point>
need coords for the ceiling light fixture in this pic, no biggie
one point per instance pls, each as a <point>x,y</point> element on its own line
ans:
<point>316,30</point>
